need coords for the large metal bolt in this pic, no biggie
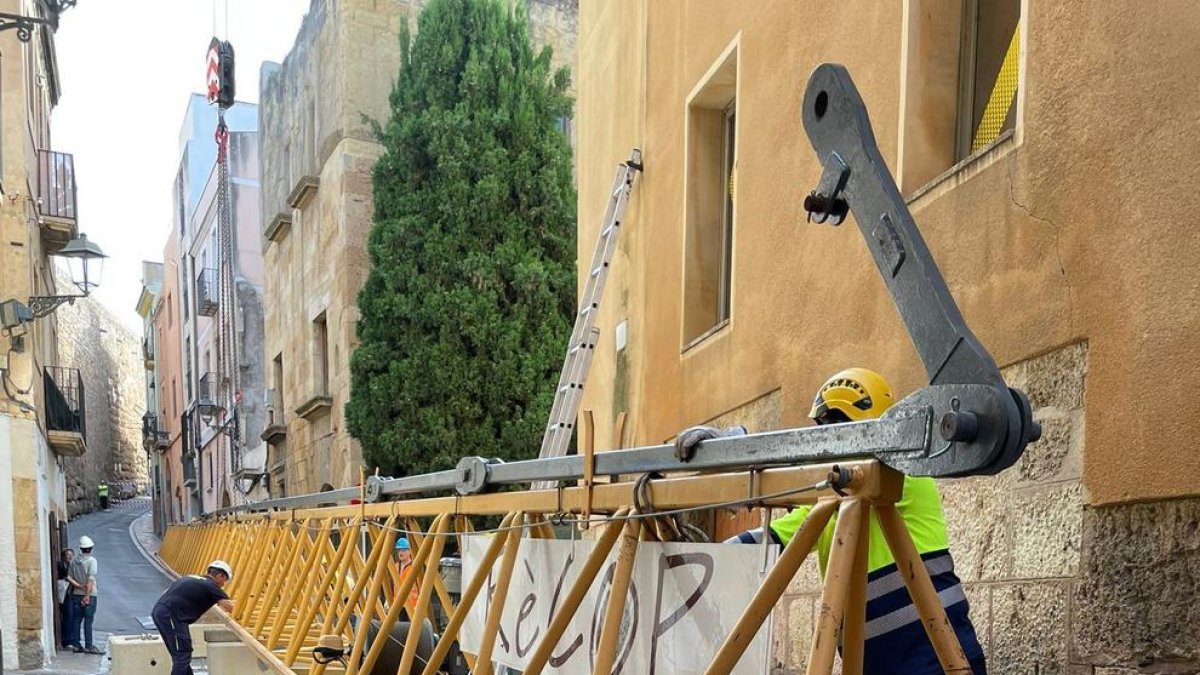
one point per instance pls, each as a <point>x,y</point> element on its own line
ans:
<point>821,207</point>
<point>958,425</point>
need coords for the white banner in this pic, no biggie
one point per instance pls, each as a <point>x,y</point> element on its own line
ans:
<point>682,602</point>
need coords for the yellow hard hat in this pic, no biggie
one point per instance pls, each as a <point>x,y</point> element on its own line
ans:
<point>855,393</point>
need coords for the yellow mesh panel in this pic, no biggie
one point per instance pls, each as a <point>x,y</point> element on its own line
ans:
<point>1003,96</point>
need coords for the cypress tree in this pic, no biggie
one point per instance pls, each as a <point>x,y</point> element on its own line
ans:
<point>468,305</point>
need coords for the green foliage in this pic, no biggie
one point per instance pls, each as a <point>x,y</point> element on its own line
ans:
<point>468,306</point>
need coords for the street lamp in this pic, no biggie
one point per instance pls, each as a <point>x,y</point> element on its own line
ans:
<point>83,257</point>
<point>86,262</point>
<point>25,24</point>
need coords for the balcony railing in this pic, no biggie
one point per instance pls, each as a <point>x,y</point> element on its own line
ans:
<point>56,184</point>
<point>56,197</point>
<point>187,425</point>
<point>276,429</point>
<point>152,435</point>
<point>189,470</point>
<point>206,292</point>
<point>235,460</point>
<point>207,394</point>
<point>148,351</point>
<point>64,401</point>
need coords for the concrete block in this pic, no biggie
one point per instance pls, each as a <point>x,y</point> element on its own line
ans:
<point>807,579</point>
<point>800,622</point>
<point>1058,455</point>
<point>1029,629</point>
<point>233,658</point>
<point>1054,379</point>
<point>979,528</point>
<point>199,646</point>
<point>1135,604</point>
<point>980,598</point>
<point>138,655</point>
<point>1047,524</point>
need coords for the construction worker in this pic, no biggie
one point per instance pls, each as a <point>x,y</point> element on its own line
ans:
<point>182,604</point>
<point>404,561</point>
<point>82,577</point>
<point>102,492</point>
<point>62,587</point>
<point>896,643</point>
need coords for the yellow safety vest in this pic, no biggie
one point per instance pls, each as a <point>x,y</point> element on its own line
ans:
<point>920,507</point>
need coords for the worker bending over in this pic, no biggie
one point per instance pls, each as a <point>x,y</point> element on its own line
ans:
<point>182,604</point>
<point>896,643</point>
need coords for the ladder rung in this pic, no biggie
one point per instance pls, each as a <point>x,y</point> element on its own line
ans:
<point>581,349</point>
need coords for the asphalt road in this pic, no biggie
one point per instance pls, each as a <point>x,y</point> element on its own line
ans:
<point>127,583</point>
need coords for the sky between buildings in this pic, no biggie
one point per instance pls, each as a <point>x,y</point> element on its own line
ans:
<point>127,68</point>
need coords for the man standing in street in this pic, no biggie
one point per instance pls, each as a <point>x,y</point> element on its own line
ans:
<point>63,588</point>
<point>102,492</point>
<point>83,597</point>
<point>185,601</point>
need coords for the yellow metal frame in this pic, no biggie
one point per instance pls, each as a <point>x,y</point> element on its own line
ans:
<point>302,574</point>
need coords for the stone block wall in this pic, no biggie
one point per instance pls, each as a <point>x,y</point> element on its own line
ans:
<point>318,266</point>
<point>109,356</point>
<point>1055,587</point>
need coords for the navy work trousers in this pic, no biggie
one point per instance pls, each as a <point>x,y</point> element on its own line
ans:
<point>178,638</point>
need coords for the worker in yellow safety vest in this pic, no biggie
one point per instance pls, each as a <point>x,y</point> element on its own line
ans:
<point>896,643</point>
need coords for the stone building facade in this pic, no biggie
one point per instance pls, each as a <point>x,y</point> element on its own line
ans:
<point>723,304</point>
<point>229,468</point>
<point>317,154</point>
<point>41,406</point>
<point>110,360</point>
<point>181,500</point>
<point>200,471</point>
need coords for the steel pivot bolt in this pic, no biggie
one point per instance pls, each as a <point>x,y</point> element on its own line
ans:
<point>821,207</point>
<point>958,425</point>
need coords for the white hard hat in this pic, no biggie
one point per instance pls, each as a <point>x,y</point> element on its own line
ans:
<point>223,566</point>
<point>86,542</point>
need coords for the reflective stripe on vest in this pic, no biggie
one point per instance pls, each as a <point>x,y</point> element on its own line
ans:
<point>908,614</point>
<point>892,581</point>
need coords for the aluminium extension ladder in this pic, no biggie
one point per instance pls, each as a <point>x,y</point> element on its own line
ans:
<point>582,345</point>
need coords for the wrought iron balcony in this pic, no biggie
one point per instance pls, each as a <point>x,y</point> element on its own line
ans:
<point>206,292</point>
<point>189,470</point>
<point>208,392</point>
<point>148,351</point>
<point>66,421</point>
<point>56,198</point>
<point>236,465</point>
<point>188,424</point>
<point>152,435</point>
<point>276,430</point>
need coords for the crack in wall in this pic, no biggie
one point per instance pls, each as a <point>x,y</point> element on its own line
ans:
<point>1055,231</point>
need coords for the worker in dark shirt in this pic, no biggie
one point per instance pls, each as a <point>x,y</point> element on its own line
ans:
<point>185,601</point>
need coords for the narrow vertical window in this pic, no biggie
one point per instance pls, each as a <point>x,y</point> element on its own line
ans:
<point>321,354</point>
<point>277,380</point>
<point>989,72</point>
<point>960,67</point>
<point>710,187</point>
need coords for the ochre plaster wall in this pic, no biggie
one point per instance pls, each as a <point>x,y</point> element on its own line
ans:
<point>1076,559</point>
<point>1046,240</point>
